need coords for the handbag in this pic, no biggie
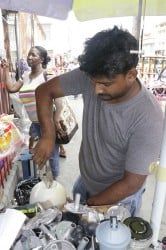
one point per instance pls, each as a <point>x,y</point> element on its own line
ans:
<point>67,120</point>
<point>23,190</point>
<point>68,123</point>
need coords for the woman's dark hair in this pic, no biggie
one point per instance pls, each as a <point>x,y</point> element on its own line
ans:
<point>43,55</point>
<point>108,53</point>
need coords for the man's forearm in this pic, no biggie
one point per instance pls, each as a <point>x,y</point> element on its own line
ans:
<point>117,192</point>
<point>111,195</point>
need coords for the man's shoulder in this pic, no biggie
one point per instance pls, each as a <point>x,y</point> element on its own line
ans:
<point>76,75</point>
<point>75,72</point>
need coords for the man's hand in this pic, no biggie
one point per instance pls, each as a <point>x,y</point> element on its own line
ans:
<point>42,151</point>
<point>93,201</point>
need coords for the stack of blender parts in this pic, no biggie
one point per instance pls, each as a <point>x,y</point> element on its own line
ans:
<point>80,227</point>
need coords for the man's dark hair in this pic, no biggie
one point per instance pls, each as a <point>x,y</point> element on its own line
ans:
<point>108,53</point>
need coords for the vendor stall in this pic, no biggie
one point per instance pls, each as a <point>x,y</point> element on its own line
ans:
<point>43,232</point>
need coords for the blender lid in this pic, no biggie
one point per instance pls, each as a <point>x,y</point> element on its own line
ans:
<point>118,210</point>
<point>140,229</point>
<point>60,244</point>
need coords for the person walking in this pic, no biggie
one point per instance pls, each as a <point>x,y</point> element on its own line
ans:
<point>122,121</point>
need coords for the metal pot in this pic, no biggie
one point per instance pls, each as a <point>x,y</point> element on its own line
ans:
<point>141,232</point>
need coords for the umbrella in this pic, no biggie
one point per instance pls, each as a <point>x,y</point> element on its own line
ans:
<point>87,10</point>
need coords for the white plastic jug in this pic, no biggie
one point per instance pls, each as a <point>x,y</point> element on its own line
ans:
<point>55,195</point>
<point>113,235</point>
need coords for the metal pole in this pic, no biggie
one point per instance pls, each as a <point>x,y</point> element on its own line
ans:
<point>6,37</point>
<point>32,30</point>
<point>17,44</point>
<point>160,191</point>
<point>137,22</point>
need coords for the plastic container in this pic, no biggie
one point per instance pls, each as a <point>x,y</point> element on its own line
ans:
<point>118,210</point>
<point>113,235</point>
<point>54,195</point>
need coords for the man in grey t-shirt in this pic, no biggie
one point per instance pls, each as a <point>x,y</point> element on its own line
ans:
<point>122,121</point>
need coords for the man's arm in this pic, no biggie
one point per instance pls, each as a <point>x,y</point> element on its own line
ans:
<point>45,93</point>
<point>127,186</point>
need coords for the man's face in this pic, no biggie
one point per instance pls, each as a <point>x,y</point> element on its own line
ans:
<point>116,89</point>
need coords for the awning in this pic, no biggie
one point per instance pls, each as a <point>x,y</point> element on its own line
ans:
<point>85,9</point>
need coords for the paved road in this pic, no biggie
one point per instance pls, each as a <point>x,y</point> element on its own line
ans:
<point>69,168</point>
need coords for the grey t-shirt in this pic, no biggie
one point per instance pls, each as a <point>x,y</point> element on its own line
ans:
<point>115,137</point>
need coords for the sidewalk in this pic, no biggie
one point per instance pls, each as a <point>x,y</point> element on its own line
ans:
<point>69,170</point>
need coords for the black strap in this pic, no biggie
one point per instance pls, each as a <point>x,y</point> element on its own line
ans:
<point>45,76</point>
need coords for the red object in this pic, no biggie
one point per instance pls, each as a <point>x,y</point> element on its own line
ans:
<point>5,163</point>
<point>5,166</point>
<point>4,95</point>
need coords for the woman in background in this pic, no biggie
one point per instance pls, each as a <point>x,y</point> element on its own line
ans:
<point>37,60</point>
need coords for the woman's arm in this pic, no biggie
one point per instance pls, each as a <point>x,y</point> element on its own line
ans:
<point>11,87</point>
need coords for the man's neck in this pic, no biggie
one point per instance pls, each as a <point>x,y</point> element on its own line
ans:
<point>134,90</point>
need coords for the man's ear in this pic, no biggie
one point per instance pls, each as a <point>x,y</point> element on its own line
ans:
<point>132,74</point>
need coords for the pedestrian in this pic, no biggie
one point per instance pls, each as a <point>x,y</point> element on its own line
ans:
<point>37,60</point>
<point>122,121</point>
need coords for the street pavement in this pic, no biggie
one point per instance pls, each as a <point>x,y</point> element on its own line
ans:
<point>69,166</point>
<point>69,170</point>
